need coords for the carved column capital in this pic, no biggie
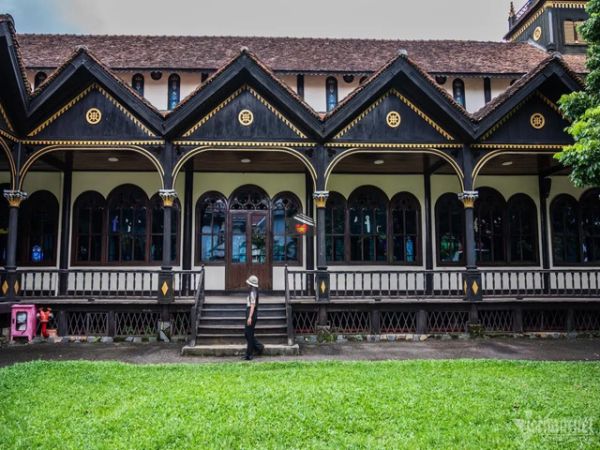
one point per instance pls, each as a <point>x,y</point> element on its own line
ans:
<point>168,197</point>
<point>14,198</point>
<point>320,198</point>
<point>468,198</point>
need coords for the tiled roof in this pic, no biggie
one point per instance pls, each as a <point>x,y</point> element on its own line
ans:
<point>285,54</point>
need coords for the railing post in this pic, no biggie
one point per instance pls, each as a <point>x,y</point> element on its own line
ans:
<point>62,323</point>
<point>421,321</point>
<point>322,277</point>
<point>323,285</point>
<point>166,291</point>
<point>375,322</point>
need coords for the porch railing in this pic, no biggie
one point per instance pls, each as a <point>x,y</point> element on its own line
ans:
<point>377,284</point>
<point>197,308</point>
<point>445,284</point>
<point>102,283</point>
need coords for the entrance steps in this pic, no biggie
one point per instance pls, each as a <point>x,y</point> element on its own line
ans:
<point>222,321</point>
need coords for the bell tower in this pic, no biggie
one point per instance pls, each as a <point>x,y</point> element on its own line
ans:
<point>550,24</point>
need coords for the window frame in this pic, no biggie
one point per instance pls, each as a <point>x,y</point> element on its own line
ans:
<point>45,198</point>
<point>173,89</point>
<point>418,241</point>
<point>336,196</point>
<point>198,227</point>
<point>75,231</point>
<point>368,190</point>
<point>299,239</point>
<point>331,83</point>
<point>138,77</point>
<point>460,207</point>
<point>553,205</point>
<point>458,89</point>
<point>533,217</point>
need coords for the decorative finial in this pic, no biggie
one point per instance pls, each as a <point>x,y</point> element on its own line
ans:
<point>403,52</point>
<point>244,49</point>
<point>511,12</point>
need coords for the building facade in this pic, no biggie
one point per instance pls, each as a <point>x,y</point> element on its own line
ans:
<point>139,169</point>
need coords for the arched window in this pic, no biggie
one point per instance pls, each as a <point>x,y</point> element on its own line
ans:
<point>88,229</point>
<point>137,83</point>
<point>564,216</point>
<point>450,223</point>
<point>3,224</point>
<point>156,238</point>
<point>38,226</point>
<point>331,90</point>
<point>589,206</point>
<point>458,92</point>
<point>522,229</point>
<point>211,211</point>
<point>405,215</point>
<point>39,78</point>
<point>489,226</point>
<point>286,242</point>
<point>249,198</point>
<point>335,228</point>
<point>173,91</point>
<point>367,221</point>
<point>128,214</point>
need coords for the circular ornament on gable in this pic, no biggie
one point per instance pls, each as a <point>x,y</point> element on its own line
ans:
<point>537,33</point>
<point>93,116</point>
<point>537,121</point>
<point>393,119</point>
<point>246,117</point>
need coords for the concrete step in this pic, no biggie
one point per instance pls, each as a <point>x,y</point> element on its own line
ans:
<point>229,306</point>
<point>237,339</point>
<point>238,350</point>
<point>241,313</point>
<point>232,320</point>
<point>219,330</point>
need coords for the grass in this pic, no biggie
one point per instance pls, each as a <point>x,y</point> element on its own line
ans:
<point>393,404</point>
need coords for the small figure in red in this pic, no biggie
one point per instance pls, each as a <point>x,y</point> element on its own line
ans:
<point>44,315</point>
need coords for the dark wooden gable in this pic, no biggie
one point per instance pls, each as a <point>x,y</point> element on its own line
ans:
<point>536,120</point>
<point>244,116</point>
<point>393,119</point>
<point>77,120</point>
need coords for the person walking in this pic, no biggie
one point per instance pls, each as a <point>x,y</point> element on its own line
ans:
<point>253,346</point>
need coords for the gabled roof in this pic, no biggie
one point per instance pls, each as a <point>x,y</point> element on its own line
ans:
<point>284,54</point>
<point>77,73</point>
<point>245,68</point>
<point>553,65</point>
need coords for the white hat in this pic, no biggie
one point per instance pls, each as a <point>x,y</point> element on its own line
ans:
<point>252,281</point>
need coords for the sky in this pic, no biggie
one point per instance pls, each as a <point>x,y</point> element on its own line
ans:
<point>386,19</point>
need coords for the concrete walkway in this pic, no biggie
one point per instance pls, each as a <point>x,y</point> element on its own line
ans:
<point>157,353</point>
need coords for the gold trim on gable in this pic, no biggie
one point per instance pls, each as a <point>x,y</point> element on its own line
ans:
<point>246,143</point>
<point>504,119</point>
<point>415,146</point>
<point>229,99</point>
<point>80,96</point>
<point>6,119</point>
<point>550,4</point>
<point>521,146</point>
<point>80,143</point>
<point>408,103</point>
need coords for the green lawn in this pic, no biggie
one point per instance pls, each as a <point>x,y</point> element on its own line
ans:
<point>393,404</point>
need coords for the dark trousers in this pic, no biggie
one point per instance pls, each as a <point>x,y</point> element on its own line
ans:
<point>254,347</point>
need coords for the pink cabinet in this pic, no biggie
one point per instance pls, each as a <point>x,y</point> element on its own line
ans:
<point>23,322</point>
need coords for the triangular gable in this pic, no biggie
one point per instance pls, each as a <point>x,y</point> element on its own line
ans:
<point>393,118</point>
<point>93,114</point>
<point>246,115</point>
<point>536,120</point>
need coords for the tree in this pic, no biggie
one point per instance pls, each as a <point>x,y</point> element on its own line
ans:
<point>582,109</point>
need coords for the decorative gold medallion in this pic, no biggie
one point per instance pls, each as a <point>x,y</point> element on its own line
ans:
<point>17,287</point>
<point>165,288</point>
<point>5,287</point>
<point>465,287</point>
<point>537,33</point>
<point>323,287</point>
<point>93,116</point>
<point>393,119</point>
<point>475,287</point>
<point>537,121</point>
<point>246,117</point>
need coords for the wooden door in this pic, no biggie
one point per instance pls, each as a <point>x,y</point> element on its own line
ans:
<point>249,244</point>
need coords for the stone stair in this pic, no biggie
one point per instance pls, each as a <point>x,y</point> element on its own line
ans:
<point>222,322</point>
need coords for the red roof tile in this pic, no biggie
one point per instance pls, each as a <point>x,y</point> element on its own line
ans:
<point>284,54</point>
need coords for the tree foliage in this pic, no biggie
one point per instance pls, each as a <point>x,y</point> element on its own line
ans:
<point>583,110</point>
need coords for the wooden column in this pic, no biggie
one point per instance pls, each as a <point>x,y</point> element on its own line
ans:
<point>310,242</point>
<point>544,185</point>
<point>10,285</point>
<point>165,288</point>
<point>427,225</point>
<point>188,211</point>
<point>322,281</point>
<point>65,222</point>
<point>472,276</point>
